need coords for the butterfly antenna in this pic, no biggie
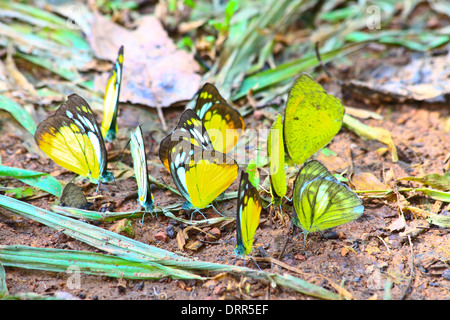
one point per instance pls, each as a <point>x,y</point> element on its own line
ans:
<point>325,69</point>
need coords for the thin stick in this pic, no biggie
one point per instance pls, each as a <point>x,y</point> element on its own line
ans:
<point>411,275</point>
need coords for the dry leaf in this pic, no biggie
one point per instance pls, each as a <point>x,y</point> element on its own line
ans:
<point>155,72</point>
<point>397,224</point>
<point>194,245</point>
<point>367,181</point>
<point>181,240</point>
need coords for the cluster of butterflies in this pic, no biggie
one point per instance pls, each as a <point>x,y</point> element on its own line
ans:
<point>195,154</point>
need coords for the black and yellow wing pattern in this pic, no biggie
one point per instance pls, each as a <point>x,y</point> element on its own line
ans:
<point>223,123</point>
<point>321,201</point>
<point>189,129</point>
<point>145,196</point>
<point>72,138</point>
<point>109,125</point>
<point>247,216</point>
<point>200,173</point>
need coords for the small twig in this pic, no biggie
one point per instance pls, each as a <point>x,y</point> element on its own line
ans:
<point>279,263</point>
<point>411,275</point>
<point>161,118</point>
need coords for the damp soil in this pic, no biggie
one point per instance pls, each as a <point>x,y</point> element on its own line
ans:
<point>360,256</point>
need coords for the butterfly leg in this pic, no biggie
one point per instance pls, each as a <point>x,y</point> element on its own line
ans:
<point>196,210</point>
<point>256,263</point>
<point>218,211</point>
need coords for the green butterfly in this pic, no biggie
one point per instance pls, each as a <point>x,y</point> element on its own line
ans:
<point>312,118</point>
<point>275,151</point>
<point>321,201</point>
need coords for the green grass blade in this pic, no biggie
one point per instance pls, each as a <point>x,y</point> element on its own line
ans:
<point>133,250</point>
<point>40,180</point>
<point>285,72</point>
<point>19,113</point>
<point>3,287</point>
<point>59,260</point>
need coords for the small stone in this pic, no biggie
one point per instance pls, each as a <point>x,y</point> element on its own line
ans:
<point>213,234</point>
<point>446,274</point>
<point>161,236</point>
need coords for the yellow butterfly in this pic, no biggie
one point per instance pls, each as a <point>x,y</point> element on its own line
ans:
<point>109,125</point>
<point>140,169</point>
<point>200,173</point>
<point>72,138</point>
<point>223,123</point>
<point>247,215</point>
<point>312,118</point>
<point>189,128</point>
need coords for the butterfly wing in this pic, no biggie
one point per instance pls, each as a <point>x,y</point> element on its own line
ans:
<point>275,151</point>
<point>111,101</point>
<point>223,123</point>
<point>321,201</point>
<point>247,216</point>
<point>72,139</point>
<point>312,119</point>
<point>200,175</point>
<point>73,196</point>
<point>313,170</point>
<point>189,129</point>
<point>140,168</point>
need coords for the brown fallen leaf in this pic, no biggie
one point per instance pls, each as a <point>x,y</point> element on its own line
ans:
<point>155,72</point>
<point>181,240</point>
<point>194,245</point>
<point>367,181</point>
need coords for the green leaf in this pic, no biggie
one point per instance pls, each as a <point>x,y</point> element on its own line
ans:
<point>19,113</point>
<point>39,180</point>
<point>139,252</point>
<point>3,287</point>
<point>440,220</point>
<point>59,260</point>
<point>20,192</point>
<point>286,71</point>
<point>435,194</point>
<point>438,181</point>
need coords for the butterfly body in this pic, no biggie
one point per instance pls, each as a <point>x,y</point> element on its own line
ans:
<point>109,125</point>
<point>247,216</point>
<point>312,118</point>
<point>321,201</point>
<point>72,138</point>
<point>145,196</point>
<point>223,123</point>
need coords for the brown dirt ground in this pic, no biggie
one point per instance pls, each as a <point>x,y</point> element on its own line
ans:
<point>361,254</point>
